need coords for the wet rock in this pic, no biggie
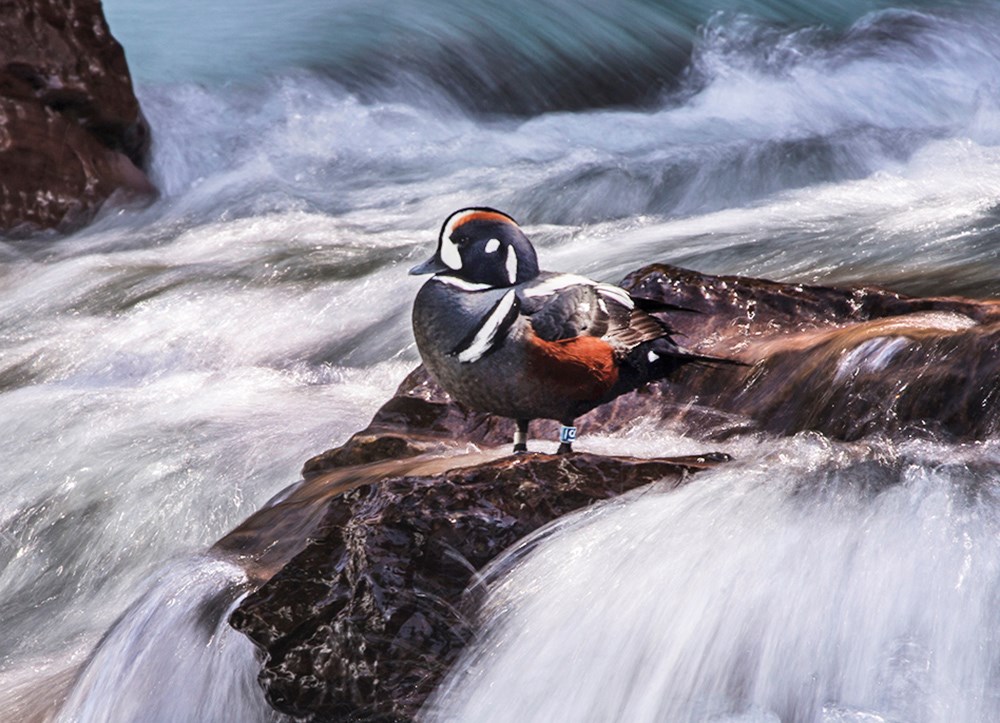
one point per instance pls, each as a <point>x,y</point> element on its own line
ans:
<point>732,312</point>
<point>72,134</point>
<point>364,621</point>
<point>844,362</point>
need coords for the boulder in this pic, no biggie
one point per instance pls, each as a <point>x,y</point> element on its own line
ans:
<point>844,362</point>
<point>72,134</point>
<point>363,622</point>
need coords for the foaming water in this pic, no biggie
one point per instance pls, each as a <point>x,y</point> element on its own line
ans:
<point>925,227</point>
<point>795,154</point>
<point>135,673</point>
<point>813,582</point>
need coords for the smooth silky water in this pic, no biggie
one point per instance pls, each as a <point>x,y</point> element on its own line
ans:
<point>165,371</point>
<point>807,581</point>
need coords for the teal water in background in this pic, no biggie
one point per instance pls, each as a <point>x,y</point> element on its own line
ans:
<point>523,56</point>
<point>166,371</point>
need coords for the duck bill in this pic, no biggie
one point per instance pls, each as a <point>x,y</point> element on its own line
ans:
<point>433,265</point>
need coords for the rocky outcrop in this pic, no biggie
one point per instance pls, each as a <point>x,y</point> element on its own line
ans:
<point>365,620</point>
<point>368,568</point>
<point>72,134</point>
<point>844,362</point>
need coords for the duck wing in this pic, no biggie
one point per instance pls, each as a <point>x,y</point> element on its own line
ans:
<point>587,308</point>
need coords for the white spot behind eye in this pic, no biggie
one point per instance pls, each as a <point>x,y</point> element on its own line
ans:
<point>511,264</point>
<point>652,356</point>
<point>492,245</point>
<point>449,253</point>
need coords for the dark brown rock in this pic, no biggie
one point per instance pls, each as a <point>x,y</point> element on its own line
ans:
<point>72,134</point>
<point>365,620</point>
<point>735,311</point>
<point>844,362</point>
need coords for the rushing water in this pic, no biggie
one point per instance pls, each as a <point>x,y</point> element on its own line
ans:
<point>165,371</point>
<point>811,582</point>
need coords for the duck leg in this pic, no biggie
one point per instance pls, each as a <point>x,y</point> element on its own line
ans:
<point>521,436</point>
<point>567,433</point>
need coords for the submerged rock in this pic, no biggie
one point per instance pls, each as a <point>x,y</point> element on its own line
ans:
<point>369,567</point>
<point>72,134</point>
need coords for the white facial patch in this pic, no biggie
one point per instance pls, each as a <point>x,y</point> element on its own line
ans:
<point>492,245</point>
<point>485,338</point>
<point>511,264</point>
<point>653,356</point>
<point>449,253</point>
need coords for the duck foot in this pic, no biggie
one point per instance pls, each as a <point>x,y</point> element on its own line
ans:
<point>567,434</point>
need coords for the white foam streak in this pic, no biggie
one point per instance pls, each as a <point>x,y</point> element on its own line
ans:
<point>134,674</point>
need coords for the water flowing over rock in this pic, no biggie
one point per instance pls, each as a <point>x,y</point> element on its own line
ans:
<point>72,134</point>
<point>844,362</point>
<point>370,568</point>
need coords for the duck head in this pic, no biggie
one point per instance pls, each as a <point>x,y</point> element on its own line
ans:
<point>482,246</point>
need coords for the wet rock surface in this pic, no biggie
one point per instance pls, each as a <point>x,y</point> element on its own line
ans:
<point>366,619</point>
<point>844,362</point>
<point>72,134</point>
<point>368,567</point>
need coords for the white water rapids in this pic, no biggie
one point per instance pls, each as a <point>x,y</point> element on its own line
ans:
<point>165,371</point>
<point>816,582</point>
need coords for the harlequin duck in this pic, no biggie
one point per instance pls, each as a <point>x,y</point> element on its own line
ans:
<point>503,337</point>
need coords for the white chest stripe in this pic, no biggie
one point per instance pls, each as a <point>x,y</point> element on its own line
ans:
<point>485,337</point>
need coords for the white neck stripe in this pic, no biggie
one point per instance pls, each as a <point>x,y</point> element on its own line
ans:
<point>462,283</point>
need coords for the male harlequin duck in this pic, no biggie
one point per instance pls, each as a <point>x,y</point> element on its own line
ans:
<point>503,337</point>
